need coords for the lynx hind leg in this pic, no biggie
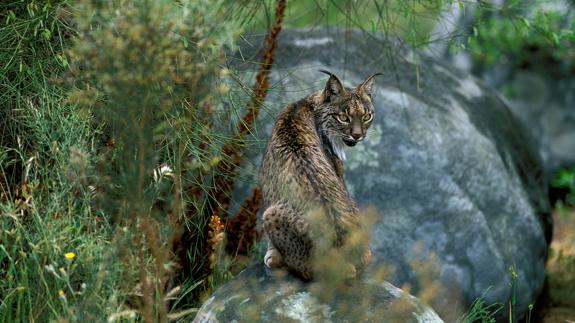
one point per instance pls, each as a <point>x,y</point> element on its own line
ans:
<point>289,237</point>
<point>273,259</point>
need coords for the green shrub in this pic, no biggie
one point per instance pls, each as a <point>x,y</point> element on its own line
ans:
<point>99,94</point>
<point>566,179</point>
<point>510,35</point>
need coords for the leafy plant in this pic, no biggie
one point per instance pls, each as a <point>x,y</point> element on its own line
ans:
<point>519,35</point>
<point>566,179</point>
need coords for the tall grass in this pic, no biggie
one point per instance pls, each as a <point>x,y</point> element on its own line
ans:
<point>33,36</point>
<point>44,214</point>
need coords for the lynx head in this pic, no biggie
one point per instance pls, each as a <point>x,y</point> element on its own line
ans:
<point>345,114</point>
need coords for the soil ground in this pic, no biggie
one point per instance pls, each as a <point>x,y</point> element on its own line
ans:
<point>557,303</point>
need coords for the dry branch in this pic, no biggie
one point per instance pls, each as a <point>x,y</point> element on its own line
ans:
<point>226,170</point>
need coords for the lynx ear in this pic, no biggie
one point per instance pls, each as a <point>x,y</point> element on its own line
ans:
<point>367,85</point>
<point>333,87</point>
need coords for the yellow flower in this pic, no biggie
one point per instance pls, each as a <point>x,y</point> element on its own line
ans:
<point>61,292</point>
<point>69,255</point>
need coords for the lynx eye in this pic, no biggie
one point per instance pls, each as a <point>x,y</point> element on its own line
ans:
<point>343,118</point>
<point>367,117</point>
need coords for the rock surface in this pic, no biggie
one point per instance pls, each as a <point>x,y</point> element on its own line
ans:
<point>257,296</point>
<point>456,179</point>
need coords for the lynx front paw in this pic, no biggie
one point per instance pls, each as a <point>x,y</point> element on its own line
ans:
<point>273,259</point>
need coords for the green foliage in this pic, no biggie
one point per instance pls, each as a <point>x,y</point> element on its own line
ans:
<point>481,312</point>
<point>137,63</point>
<point>76,166</point>
<point>510,35</point>
<point>32,34</point>
<point>411,20</point>
<point>42,214</point>
<point>151,76</point>
<point>566,179</point>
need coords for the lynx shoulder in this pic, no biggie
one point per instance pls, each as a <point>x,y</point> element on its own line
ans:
<point>302,171</point>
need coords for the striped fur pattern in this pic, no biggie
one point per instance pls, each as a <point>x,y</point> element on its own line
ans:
<point>302,172</point>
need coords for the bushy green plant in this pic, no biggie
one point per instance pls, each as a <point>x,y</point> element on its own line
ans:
<point>145,71</point>
<point>85,224</point>
<point>516,34</point>
<point>148,70</point>
<point>566,179</point>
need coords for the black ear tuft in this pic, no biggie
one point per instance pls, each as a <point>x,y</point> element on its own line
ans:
<point>367,85</point>
<point>333,87</point>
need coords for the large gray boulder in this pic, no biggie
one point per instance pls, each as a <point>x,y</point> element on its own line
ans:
<point>258,296</point>
<point>454,177</point>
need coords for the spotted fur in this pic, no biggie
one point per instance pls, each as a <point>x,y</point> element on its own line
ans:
<point>302,171</point>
